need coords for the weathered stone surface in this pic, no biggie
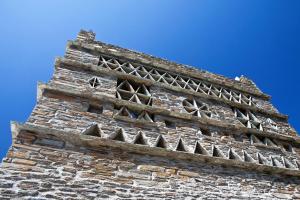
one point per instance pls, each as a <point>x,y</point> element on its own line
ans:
<point>23,161</point>
<point>163,131</point>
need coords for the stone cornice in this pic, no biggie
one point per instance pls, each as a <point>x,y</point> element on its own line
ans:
<point>95,143</point>
<point>88,94</point>
<point>100,47</point>
<point>67,63</point>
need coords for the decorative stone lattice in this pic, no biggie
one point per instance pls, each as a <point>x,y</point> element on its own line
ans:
<point>271,124</point>
<point>248,119</point>
<point>161,142</point>
<point>92,134</point>
<point>174,80</point>
<point>196,108</point>
<point>144,115</point>
<point>94,82</point>
<point>130,91</point>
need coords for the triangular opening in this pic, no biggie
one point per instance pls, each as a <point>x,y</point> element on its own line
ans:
<point>148,76</point>
<point>120,69</point>
<point>162,80</point>
<point>297,164</point>
<point>135,73</point>
<point>241,113</point>
<point>156,72</point>
<point>161,142</point>
<point>248,158</point>
<point>233,155</point>
<point>93,130</point>
<point>180,146</point>
<point>199,149</point>
<point>125,85</point>
<point>224,96</point>
<point>143,90</point>
<point>189,87</point>
<point>135,99</point>
<point>248,124</point>
<point>118,95</point>
<point>254,139</point>
<point>268,142</point>
<point>275,162</point>
<point>145,116</point>
<point>288,164</point>
<point>143,69</point>
<point>139,139</point>
<point>124,112</point>
<point>149,103</point>
<point>175,84</point>
<point>217,152</point>
<point>261,160</point>
<point>287,147</point>
<point>120,135</point>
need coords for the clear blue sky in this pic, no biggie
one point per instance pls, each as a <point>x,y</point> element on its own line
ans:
<point>259,39</point>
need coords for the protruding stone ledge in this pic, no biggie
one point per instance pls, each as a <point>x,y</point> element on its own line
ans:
<point>99,47</point>
<point>92,142</point>
<point>71,64</point>
<point>159,111</point>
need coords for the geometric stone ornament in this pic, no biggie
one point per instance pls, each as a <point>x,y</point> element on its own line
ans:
<point>169,78</point>
<point>196,108</point>
<point>248,119</point>
<point>152,111</point>
<point>199,149</point>
<point>93,130</point>
<point>140,139</point>
<point>180,146</point>
<point>161,142</point>
<point>94,82</point>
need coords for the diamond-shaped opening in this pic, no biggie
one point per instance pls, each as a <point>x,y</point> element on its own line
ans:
<point>94,82</point>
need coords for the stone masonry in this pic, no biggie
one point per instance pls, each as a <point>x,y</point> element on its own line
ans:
<point>117,124</point>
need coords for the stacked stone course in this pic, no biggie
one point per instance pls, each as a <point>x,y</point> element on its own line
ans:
<point>117,124</point>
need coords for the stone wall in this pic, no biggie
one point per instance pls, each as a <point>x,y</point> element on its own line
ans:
<point>48,171</point>
<point>117,124</point>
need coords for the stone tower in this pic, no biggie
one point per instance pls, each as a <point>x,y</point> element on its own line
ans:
<point>118,124</point>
